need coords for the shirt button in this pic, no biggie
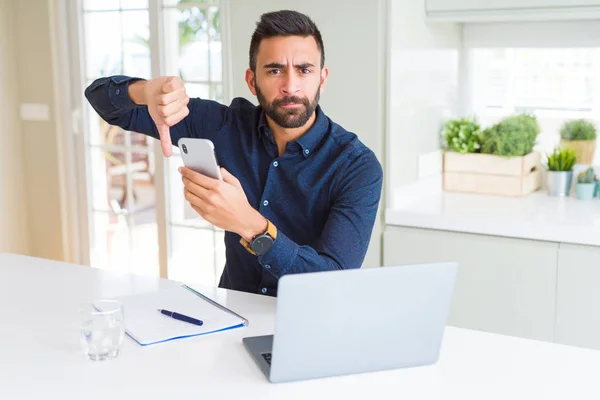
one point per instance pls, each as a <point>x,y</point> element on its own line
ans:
<point>264,290</point>
<point>306,151</point>
<point>118,91</point>
<point>275,164</point>
<point>266,203</point>
<point>267,266</point>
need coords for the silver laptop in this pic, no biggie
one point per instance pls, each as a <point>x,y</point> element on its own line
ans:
<point>353,321</point>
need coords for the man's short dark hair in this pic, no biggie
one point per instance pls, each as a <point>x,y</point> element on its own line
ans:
<point>284,23</point>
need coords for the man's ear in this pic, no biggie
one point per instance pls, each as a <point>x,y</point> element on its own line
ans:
<point>251,81</point>
<point>324,75</point>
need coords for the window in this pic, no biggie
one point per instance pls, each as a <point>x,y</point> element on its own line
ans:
<point>554,83</point>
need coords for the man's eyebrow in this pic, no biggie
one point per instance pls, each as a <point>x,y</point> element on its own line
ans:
<point>274,65</point>
<point>304,65</point>
<point>281,66</point>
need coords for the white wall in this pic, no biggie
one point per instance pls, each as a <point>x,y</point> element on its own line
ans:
<point>30,208</point>
<point>13,221</point>
<point>424,73</point>
<point>354,35</point>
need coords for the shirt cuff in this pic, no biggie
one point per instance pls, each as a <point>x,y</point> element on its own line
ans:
<point>118,92</point>
<point>278,260</point>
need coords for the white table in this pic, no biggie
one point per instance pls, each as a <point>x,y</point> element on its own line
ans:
<point>40,355</point>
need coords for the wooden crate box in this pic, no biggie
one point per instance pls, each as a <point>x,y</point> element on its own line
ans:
<point>490,174</point>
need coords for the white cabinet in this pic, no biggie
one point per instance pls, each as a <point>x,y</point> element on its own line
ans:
<point>578,296</point>
<point>479,5</point>
<point>504,285</point>
<point>473,10</point>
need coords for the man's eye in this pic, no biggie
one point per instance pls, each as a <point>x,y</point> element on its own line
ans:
<point>305,71</point>
<point>274,71</point>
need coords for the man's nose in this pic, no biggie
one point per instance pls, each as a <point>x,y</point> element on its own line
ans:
<point>291,84</point>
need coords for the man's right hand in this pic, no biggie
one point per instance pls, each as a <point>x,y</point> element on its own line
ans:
<point>167,104</point>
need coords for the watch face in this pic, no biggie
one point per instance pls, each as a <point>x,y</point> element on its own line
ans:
<point>262,244</point>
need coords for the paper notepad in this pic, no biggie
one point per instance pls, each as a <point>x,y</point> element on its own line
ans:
<point>148,326</point>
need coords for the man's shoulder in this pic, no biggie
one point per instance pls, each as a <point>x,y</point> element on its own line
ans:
<point>359,166</point>
<point>238,104</point>
<point>350,145</point>
<point>242,110</point>
<point>242,104</point>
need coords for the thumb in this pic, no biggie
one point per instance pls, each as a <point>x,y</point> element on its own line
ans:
<point>165,139</point>
<point>169,85</point>
<point>227,177</point>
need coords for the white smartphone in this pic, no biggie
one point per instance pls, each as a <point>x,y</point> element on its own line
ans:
<point>199,155</point>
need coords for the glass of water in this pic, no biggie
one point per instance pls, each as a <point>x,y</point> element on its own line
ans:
<point>102,329</point>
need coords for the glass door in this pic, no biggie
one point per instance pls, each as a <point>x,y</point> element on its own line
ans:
<point>135,213</point>
<point>121,191</point>
<point>193,51</point>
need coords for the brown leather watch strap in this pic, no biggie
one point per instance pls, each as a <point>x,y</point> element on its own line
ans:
<point>271,231</point>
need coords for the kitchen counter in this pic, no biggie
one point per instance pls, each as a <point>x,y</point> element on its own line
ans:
<point>537,216</point>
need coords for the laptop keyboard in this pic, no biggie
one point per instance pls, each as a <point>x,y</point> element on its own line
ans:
<point>267,357</point>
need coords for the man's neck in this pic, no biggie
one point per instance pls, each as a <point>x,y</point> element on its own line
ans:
<point>284,135</point>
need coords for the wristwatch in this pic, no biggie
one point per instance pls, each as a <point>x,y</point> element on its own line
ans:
<point>262,242</point>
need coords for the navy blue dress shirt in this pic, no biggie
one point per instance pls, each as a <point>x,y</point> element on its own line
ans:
<point>322,194</point>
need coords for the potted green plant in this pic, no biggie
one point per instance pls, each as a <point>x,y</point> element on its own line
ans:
<point>462,135</point>
<point>586,184</point>
<point>514,136</point>
<point>560,171</point>
<point>580,136</point>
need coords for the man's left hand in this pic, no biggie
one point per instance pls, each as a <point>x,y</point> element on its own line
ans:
<point>222,203</point>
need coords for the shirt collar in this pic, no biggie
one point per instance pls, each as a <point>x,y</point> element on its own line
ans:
<point>309,141</point>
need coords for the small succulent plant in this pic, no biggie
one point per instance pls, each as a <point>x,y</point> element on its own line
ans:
<point>586,176</point>
<point>561,160</point>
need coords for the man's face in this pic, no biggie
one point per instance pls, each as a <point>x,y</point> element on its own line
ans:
<point>288,80</point>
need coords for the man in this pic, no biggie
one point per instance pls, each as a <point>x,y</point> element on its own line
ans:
<point>299,193</point>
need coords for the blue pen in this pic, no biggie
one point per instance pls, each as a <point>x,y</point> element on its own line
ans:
<point>181,317</point>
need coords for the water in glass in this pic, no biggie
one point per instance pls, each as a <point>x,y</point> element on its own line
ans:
<point>102,329</point>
